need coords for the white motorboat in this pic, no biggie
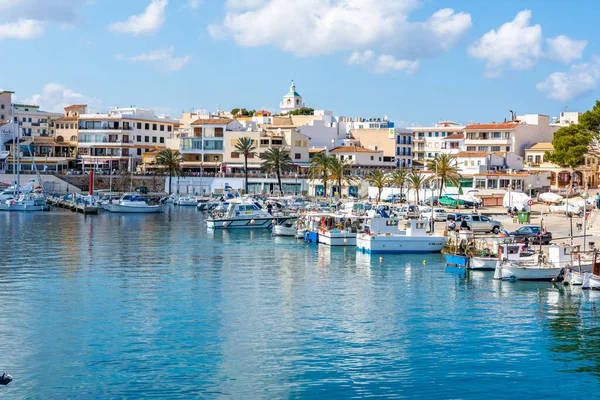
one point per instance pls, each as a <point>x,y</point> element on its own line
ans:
<point>186,201</point>
<point>537,272</point>
<point>242,213</point>
<point>132,203</point>
<point>537,268</point>
<point>25,202</point>
<point>288,228</point>
<point>483,263</point>
<point>590,281</point>
<point>339,230</point>
<point>383,235</point>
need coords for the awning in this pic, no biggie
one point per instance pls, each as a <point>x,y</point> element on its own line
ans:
<point>4,155</point>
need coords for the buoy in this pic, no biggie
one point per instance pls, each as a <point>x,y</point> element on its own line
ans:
<point>424,262</point>
<point>274,221</point>
<point>345,240</point>
<point>225,224</point>
<point>252,222</point>
<point>5,379</point>
<point>380,259</point>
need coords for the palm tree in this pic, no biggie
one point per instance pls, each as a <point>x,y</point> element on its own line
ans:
<point>341,172</point>
<point>446,169</point>
<point>398,178</point>
<point>245,146</point>
<point>416,180</point>
<point>276,161</point>
<point>170,161</point>
<point>319,169</point>
<point>378,179</point>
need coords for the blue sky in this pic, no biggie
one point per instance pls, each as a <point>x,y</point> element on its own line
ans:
<point>415,61</point>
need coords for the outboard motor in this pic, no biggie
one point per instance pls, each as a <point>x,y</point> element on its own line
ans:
<point>5,379</point>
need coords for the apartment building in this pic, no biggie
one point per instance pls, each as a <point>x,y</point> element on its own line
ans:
<point>203,148</point>
<point>404,147</point>
<point>117,139</point>
<point>430,141</point>
<point>363,158</point>
<point>5,106</point>
<point>290,140</point>
<point>514,136</point>
<point>381,139</point>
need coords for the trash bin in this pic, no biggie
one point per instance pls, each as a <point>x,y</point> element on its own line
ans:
<point>524,217</point>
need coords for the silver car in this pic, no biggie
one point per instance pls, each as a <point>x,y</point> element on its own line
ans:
<point>410,211</point>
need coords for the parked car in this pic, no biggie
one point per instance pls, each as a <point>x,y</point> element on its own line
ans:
<point>481,223</point>
<point>439,214</point>
<point>409,211</point>
<point>395,198</point>
<point>429,200</point>
<point>534,233</point>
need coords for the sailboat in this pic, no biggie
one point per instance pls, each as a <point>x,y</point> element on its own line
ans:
<point>33,197</point>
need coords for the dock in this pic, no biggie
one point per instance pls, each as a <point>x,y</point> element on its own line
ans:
<point>83,208</point>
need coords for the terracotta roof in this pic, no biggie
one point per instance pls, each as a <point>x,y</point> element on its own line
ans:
<point>455,136</point>
<point>65,119</point>
<point>212,121</point>
<point>351,149</point>
<point>472,154</point>
<point>316,150</point>
<point>542,146</point>
<point>505,125</point>
<point>262,113</point>
<point>75,106</point>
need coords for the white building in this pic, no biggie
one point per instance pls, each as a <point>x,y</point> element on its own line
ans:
<point>453,144</point>
<point>429,141</point>
<point>117,139</point>
<point>476,162</point>
<point>404,147</point>
<point>5,116</point>
<point>33,121</point>
<point>291,101</point>
<point>204,149</point>
<point>361,157</point>
<point>514,136</point>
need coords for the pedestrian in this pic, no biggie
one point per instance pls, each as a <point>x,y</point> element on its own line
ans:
<point>464,225</point>
<point>270,208</point>
<point>431,224</point>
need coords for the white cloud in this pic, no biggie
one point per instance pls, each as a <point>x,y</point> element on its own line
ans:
<point>55,97</point>
<point>564,49</point>
<point>515,44</point>
<point>148,22</point>
<point>382,63</point>
<point>22,29</point>
<point>29,19</point>
<point>318,27</point>
<point>162,59</point>
<point>579,81</point>
<point>193,4</point>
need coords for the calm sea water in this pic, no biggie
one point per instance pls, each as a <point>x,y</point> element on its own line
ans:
<point>126,306</point>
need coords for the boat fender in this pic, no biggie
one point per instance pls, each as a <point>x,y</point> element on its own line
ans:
<point>499,252</point>
<point>220,214</point>
<point>5,379</point>
<point>424,262</point>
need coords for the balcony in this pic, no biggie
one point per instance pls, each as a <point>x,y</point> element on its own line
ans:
<point>191,145</point>
<point>105,127</point>
<point>85,142</point>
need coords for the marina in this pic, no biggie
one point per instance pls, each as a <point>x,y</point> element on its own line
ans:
<point>357,324</point>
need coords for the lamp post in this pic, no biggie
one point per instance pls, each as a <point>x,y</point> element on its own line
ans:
<point>530,188</point>
<point>584,196</point>
<point>296,184</point>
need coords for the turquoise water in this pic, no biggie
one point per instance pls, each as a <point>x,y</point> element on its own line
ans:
<point>126,306</point>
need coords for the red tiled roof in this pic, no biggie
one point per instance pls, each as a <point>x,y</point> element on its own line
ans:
<point>262,113</point>
<point>212,121</point>
<point>505,125</point>
<point>472,154</point>
<point>455,136</point>
<point>75,106</point>
<point>351,149</point>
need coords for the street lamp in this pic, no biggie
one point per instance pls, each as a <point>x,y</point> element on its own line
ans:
<point>584,196</point>
<point>530,188</point>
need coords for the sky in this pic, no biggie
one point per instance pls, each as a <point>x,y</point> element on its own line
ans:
<point>415,61</point>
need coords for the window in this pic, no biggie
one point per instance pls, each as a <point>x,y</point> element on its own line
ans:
<point>138,138</point>
<point>437,145</point>
<point>372,158</point>
<point>73,138</point>
<point>1,106</point>
<point>495,148</point>
<point>235,154</point>
<point>153,139</point>
<point>277,141</point>
<point>139,125</point>
<point>298,143</point>
<point>379,158</point>
<point>429,134</point>
<point>496,135</point>
<point>264,142</point>
<point>169,128</point>
<point>147,139</point>
<point>349,157</point>
<point>139,152</point>
<point>507,148</point>
<point>153,127</point>
<point>437,134</point>
<point>466,163</point>
<point>443,134</point>
<point>1,117</point>
<point>429,144</point>
<point>147,126</point>
<point>482,148</point>
<point>162,140</point>
<point>162,128</point>
<point>297,156</point>
<point>471,148</point>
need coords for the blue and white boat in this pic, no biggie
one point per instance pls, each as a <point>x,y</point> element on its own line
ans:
<point>242,213</point>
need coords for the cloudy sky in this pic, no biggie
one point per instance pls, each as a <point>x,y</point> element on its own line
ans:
<point>417,61</point>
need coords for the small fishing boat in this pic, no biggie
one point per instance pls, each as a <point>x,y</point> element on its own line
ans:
<point>240,213</point>
<point>133,203</point>
<point>25,202</point>
<point>287,228</point>
<point>189,201</point>
<point>383,235</point>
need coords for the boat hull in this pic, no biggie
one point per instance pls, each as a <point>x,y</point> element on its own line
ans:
<point>117,208</point>
<point>279,230</point>
<point>455,260</point>
<point>483,263</point>
<point>245,223</point>
<point>337,238</point>
<point>399,244</point>
<point>23,207</point>
<point>530,273</point>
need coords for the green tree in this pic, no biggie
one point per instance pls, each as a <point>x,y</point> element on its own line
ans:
<point>171,163</point>
<point>341,172</point>
<point>398,179</point>
<point>245,146</point>
<point>590,120</point>
<point>276,161</point>
<point>570,145</point>
<point>378,179</point>
<point>235,111</point>
<point>302,111</point>
<point>319,169</point>
<point>446,170</point>
<point>416,180</point>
